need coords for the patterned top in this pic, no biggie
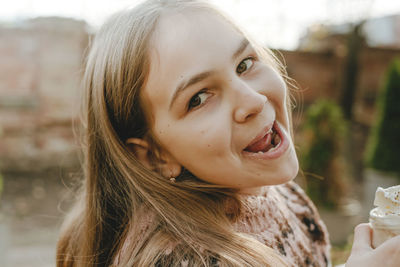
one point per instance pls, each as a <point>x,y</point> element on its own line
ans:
<point>283,218</point>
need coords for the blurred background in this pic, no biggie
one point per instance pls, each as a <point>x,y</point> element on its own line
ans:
<point>343,57</point>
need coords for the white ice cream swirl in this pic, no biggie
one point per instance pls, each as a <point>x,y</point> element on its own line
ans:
<point>387,202</point>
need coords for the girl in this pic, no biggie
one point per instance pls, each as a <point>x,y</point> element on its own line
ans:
<point>187,127</point>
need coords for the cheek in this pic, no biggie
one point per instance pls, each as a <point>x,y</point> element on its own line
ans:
<point>272,85</point>
<point>195,138</point>
<point>214,141</point>
<point>278,86</point>
<point>276,90</point>
<point>211,140</point>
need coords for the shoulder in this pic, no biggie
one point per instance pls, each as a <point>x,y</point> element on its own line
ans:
<point>184,261</point>
<point>283,218</point>
<point>304,209</point>
<point>307,215</point>
<point>296,197</point>
<point>179,253</point>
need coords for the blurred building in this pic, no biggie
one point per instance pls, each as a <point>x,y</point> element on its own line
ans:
<point>382,32</point>
<point>321,66</point>
<point>323,51</point>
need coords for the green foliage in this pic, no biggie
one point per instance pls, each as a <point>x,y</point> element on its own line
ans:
<point>1,178</point>
<point>383,148</point>
<point>1,184</point>
<point>324,133</point>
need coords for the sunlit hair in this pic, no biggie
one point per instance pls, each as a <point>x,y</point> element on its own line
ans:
<point>119,193</point>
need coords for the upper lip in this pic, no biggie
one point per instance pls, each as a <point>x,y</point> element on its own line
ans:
<point>261,135</point>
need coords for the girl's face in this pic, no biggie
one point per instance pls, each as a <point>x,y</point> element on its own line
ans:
<point>214,102</point>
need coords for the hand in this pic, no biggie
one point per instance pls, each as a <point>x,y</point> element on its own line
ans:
<point>362,253</point>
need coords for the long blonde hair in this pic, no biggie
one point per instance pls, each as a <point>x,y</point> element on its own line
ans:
<point>118,191</point>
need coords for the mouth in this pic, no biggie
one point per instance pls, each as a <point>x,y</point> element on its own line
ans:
<point>271,143</point>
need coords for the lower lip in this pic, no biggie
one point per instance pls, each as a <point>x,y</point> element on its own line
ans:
<point>277,152</point>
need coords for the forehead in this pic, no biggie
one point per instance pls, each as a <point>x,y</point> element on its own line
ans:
<point>180,32</point>
<point>186,43</point>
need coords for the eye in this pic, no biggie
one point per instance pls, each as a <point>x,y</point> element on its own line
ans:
<point>198,99</point>
<point>244,65</point>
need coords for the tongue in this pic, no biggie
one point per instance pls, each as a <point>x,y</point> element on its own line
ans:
<point>263,145</point>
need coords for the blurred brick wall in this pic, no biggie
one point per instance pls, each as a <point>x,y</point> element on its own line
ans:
<point>40,72</point>
<point>374,63</point>
<point>319,75</point>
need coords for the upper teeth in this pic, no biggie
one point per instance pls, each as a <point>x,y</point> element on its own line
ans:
<point>269,131</point>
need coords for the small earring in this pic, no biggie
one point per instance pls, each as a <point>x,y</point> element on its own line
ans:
<point>172,178</point>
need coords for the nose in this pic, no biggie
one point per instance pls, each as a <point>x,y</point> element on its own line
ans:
<point>248,103</point>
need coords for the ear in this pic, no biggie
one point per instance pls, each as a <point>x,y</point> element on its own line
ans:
<point>140,148</point>
<point>164,162</point>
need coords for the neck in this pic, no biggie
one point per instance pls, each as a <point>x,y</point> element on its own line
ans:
<point>250,191</point>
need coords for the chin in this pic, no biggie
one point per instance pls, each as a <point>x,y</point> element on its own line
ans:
<point>290,170</point>
<point>294,169</point>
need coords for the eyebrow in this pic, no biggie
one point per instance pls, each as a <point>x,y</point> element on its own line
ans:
<point>243,45</point>
<point>203,75</point>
